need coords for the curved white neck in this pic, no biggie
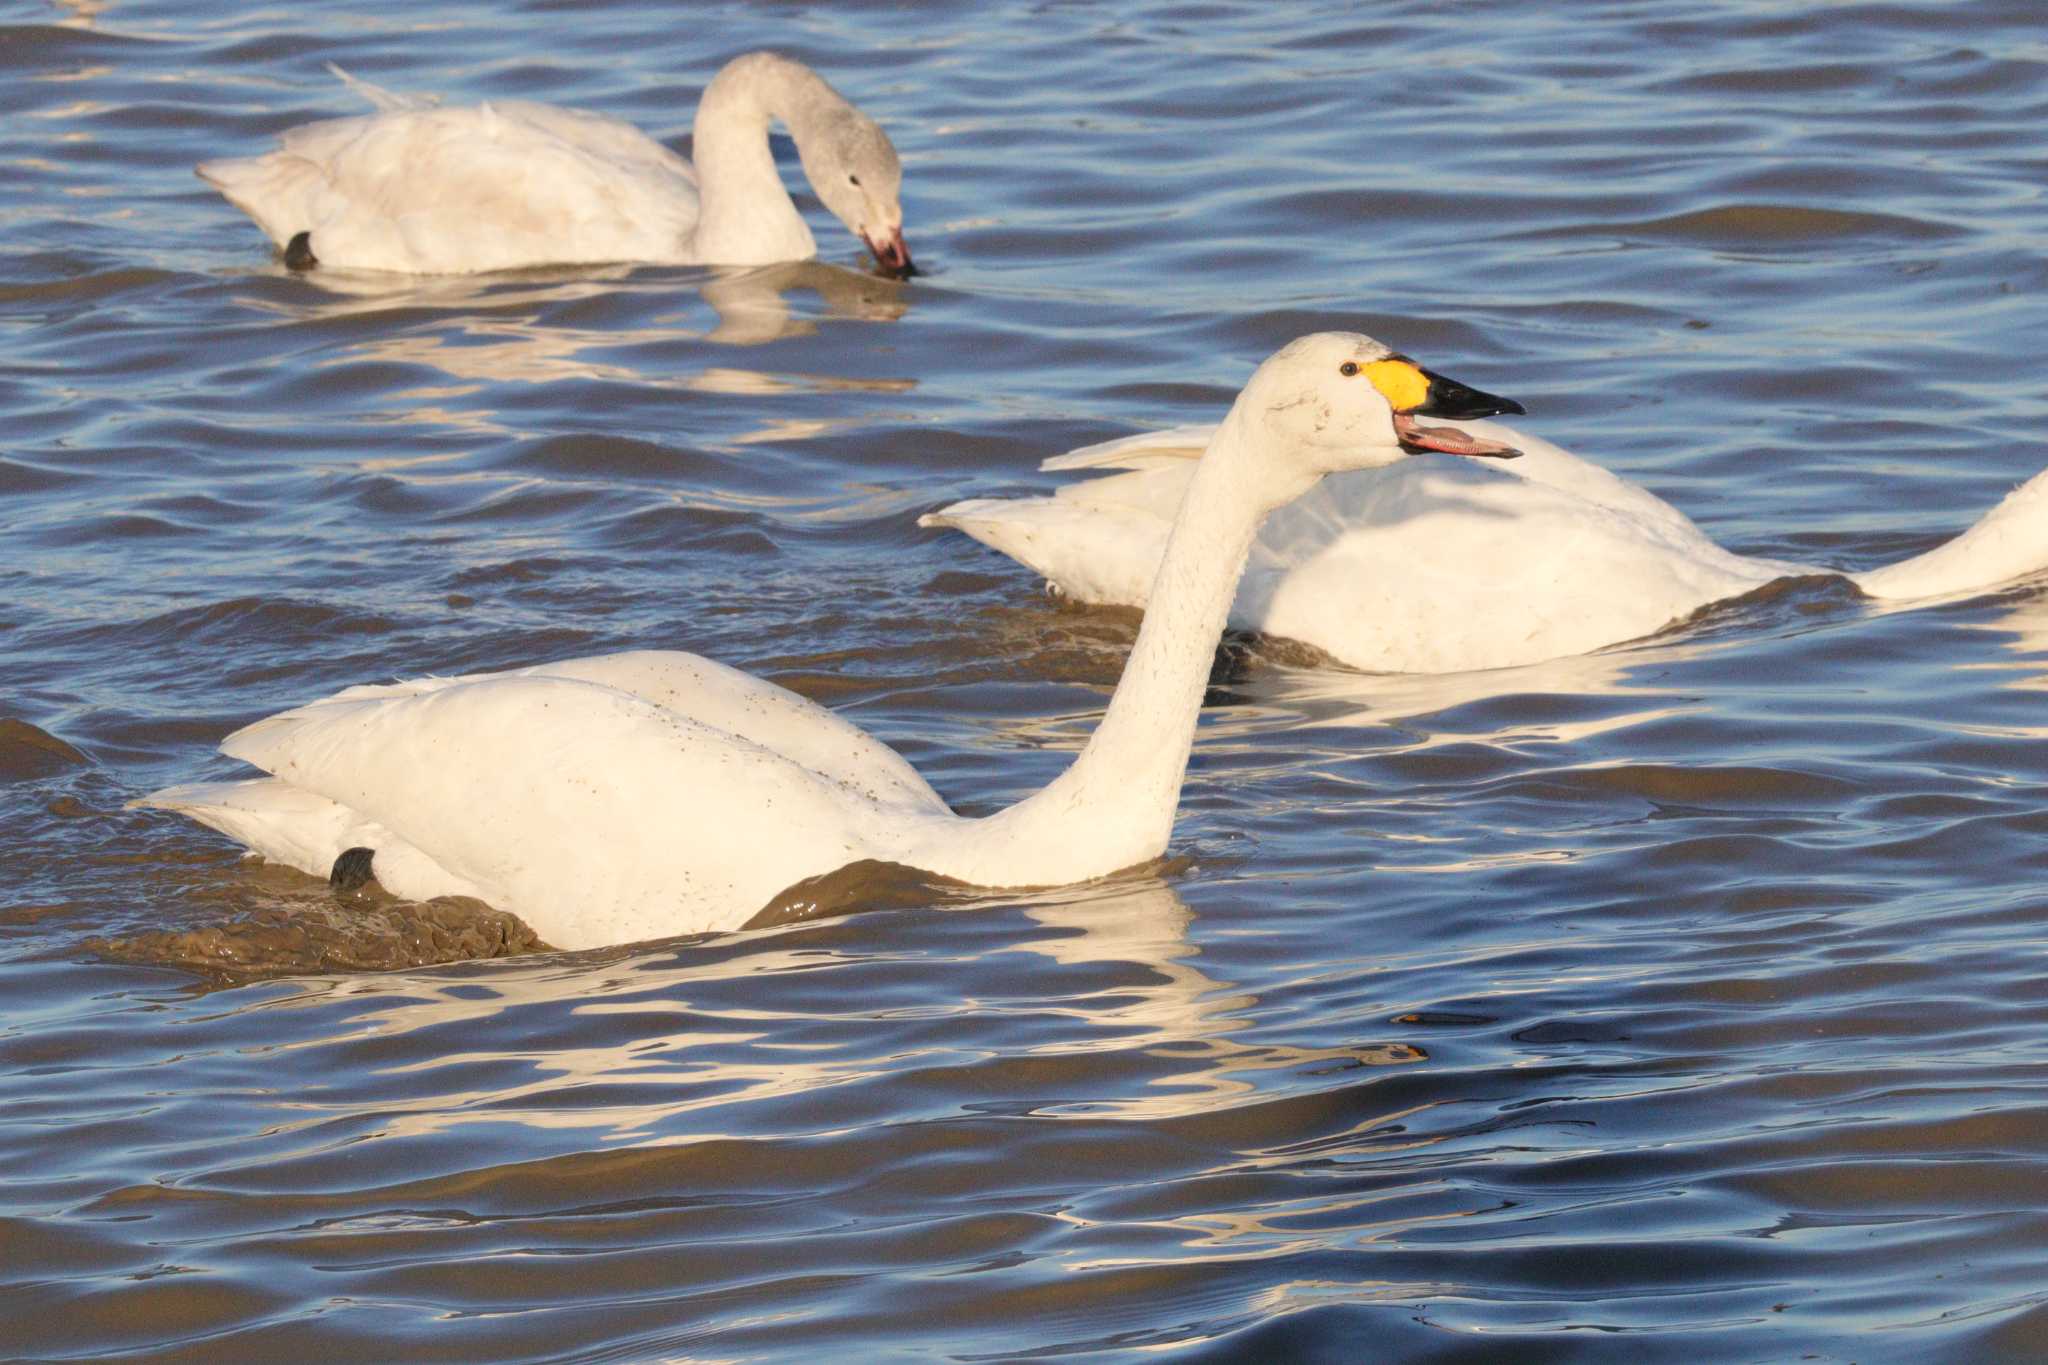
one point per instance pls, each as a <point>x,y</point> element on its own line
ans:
<point>2008,542</point>
<point>745,215</point>
<point>1114,806</point>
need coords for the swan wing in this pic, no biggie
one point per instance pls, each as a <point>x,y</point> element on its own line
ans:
<point>1436,567</point>
<point>595,815</point>
<point>1542,462</point>
<point>2009,542</point>
<point>1424,566</point>
<point>738,703</point>
<point>488,187</point>
<point>1146,450</point>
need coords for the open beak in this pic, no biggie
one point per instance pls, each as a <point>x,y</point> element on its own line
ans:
<point>891,254</point>
<point>1448,398</point>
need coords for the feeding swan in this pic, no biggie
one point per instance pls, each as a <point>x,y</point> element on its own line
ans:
<point>510,183</point>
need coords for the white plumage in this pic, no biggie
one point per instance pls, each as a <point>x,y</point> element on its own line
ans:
<point>629,796</point>
<point>604,799</point>
<point>430,190</point>
<point>1437,566</point>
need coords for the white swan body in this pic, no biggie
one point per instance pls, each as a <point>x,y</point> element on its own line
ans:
<point>506,184</point>
<point>1448,566</point>
<point>630,796</point>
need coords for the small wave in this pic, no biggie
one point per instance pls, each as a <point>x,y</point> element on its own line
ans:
<point>1752,227</point>
<point>302,939</point>
<point>27,752</point>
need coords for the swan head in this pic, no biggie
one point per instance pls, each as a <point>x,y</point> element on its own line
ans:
<point>853,166</point>
<point>1338,400</point>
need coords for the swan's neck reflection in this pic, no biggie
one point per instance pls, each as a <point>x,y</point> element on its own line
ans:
<point>753,307</point>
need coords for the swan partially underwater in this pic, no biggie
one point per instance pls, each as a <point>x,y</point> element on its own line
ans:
<point>1443,567</point>
<point>631,796</point>
<point>511,183</point>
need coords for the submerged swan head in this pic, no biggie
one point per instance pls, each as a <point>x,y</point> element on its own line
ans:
<point>1332,401</point>
<point>853,166</point>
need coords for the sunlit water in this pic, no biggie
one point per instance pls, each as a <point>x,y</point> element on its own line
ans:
<point>1682,1003</point>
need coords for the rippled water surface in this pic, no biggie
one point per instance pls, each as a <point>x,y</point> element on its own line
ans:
<point>1683,1002</point>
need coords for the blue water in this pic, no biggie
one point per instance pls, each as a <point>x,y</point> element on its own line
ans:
<point>1683,1002</point>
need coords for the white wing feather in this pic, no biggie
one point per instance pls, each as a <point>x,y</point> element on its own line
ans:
<point>713,694</point>
<point>594,815</point>
<point>603,800</point>
<point>409,188</point>
<point>1426,566</point>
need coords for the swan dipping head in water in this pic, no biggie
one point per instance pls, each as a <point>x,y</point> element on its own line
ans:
<point>853,166</point>
<point>632,796</point>
<point>507,184</point>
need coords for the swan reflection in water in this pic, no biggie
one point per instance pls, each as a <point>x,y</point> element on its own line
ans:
<point>523,328</point>
<point>505,327</point>
<point>753,305</point>
<point>2021,615</point>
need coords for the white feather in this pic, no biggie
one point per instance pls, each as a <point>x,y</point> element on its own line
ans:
<point>1445,565</point>
<point>624,797</point>
<point>425,189</point>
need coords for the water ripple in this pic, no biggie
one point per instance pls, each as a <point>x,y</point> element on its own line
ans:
<point>1677,1002</point>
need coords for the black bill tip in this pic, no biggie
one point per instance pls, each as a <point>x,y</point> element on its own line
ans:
<point>1449,398</point>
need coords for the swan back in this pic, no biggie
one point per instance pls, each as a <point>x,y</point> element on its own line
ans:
<point>1423,566</point>
<point>714,695</point>
<point>450,191</point>
<point>596,814</point>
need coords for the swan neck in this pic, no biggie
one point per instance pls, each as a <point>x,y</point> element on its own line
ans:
<point>1143,742</point>
<point>745,214</point>
<point>1114,807</point>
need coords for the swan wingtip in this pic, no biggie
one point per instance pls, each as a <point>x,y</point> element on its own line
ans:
<point>955,516</point>
<point>182,796</point>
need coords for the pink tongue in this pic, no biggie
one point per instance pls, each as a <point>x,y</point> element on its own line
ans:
<point>1450,440</point>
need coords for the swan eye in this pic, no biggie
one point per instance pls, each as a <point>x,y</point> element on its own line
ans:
<point>1348,368</point>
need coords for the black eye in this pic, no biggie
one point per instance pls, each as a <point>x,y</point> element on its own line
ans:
<point>1348,368</point>
<point>852,179</point>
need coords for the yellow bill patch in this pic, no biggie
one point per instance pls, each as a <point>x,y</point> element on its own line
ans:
<point>1401,383</point>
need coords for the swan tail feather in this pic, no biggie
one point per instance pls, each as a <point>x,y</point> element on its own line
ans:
<point>267,817</point>
<point>278,191</point>
<point>1011,525</point>
<point>957,516</point>
<point>1105,555</point>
